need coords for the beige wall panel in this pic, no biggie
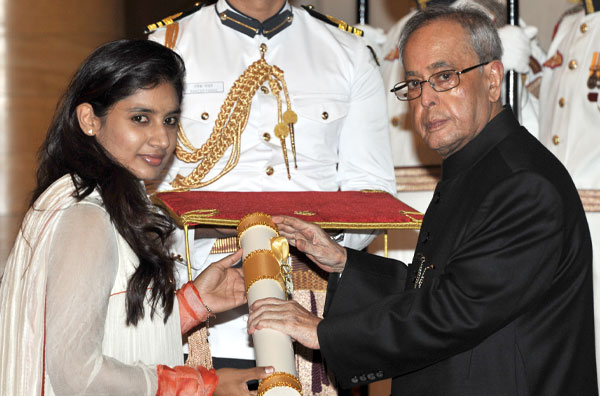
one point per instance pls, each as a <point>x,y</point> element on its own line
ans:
<point>9,225</point>
<point>41,45</point>
<point>544,14</point>
<point>65,16</point>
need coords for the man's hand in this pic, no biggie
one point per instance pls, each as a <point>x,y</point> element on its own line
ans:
<point>313,241</point>
<point>288,317</point>
<point>220,286</point>
<point>233,381</point>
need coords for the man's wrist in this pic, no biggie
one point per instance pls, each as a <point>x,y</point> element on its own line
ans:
<point>341,261</point>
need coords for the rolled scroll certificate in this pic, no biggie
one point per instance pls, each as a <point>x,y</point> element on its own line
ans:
<point>264,252</point>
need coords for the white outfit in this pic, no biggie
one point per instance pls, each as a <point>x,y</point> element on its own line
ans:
<point>409,150</point>
<point>342,139</point>
<point>68,258</point>
<point>570,121</point>
<point>576,122</point>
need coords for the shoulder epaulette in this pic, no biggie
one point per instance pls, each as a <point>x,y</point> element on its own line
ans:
<point>570,11</point>
<point>333,21</point>
<point>591,6</point>
<point>175,17</point>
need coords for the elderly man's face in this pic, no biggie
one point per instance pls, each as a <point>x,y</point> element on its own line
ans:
<point>448,120</point>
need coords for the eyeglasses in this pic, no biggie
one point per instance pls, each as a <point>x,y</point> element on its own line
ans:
<point>441,81</point>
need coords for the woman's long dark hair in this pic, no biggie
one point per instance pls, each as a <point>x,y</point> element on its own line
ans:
<point>111,73</point>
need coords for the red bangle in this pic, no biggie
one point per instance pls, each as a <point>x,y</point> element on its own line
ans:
<point>186,381</point>
<point>192,311</point>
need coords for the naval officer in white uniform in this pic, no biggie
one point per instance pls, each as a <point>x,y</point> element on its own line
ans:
<point>335,88</point>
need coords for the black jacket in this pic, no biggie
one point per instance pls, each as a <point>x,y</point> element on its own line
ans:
<point>498,299</point>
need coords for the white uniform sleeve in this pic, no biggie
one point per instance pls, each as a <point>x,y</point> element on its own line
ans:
<point>365,157</point>
<point>82,269</point>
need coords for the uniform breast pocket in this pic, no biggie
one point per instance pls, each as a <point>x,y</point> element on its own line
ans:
<point>198,117</point>
<point>320,120</point>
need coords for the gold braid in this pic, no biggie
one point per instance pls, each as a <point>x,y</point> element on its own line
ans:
<point>230,123</point>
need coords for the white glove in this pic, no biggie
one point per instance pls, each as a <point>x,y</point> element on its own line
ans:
<point>516,42</point>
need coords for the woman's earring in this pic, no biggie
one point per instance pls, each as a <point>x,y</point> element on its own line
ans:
<point>90,132</point>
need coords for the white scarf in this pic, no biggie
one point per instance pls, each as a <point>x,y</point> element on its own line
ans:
<point>23,294</point>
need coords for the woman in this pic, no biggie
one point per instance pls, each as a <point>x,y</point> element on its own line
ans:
<point>87,301</point>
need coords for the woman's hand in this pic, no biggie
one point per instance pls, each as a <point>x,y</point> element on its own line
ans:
<point>232,382</point>
<point>220,286</point>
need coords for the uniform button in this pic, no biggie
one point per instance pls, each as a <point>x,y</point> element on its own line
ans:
<point>264,89</point>
<point>266,136</point>
<point>263,47</point>
<point>561,102</point>
<point>573,64</point>
<point>325,115</point>
<point>354,380</point>
<point>270,170</point>
<point>583,27</point>
<point>363,378</point>
<point>371,376</point>
<point>437,197</point>
<point>425,237</point>
<point>379,374</point>
<point>555,140</point>
<point>204,116</point>
<point>395,121</point>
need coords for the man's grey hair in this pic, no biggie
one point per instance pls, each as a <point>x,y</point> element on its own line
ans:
<point>484,36</point>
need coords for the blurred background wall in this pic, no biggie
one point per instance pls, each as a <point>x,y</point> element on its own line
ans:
<point>43,41</point>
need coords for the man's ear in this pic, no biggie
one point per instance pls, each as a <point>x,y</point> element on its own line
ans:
<point>88,122</point>
<point>495,76</point>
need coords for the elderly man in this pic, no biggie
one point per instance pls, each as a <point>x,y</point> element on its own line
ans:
<point>498,298</point>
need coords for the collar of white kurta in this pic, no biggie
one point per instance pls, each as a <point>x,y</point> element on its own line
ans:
<point>249,26</point>
<point>23,294</point>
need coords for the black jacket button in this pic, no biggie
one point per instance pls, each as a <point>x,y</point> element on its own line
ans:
<point>425,237</point>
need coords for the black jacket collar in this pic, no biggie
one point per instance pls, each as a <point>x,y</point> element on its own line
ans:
<point>494,132</point>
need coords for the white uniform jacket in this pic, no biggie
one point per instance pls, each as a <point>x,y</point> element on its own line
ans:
<point>569,109</point>
<point>335,87</point>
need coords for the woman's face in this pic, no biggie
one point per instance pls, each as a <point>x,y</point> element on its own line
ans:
<point>140,131</point>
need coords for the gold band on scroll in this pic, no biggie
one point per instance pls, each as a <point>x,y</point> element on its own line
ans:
<point>277,380</point>
<point>256,218</point>
<point>261,264</point>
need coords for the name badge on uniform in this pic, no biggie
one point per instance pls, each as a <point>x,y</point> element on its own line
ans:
<point>203,88</point>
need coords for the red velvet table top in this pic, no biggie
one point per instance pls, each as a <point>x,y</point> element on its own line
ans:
<point>332,210</point>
